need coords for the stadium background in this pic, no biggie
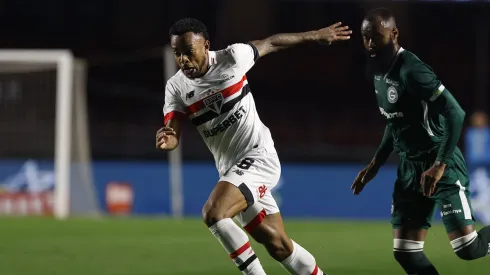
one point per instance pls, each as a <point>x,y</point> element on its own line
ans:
<point>320,109</point>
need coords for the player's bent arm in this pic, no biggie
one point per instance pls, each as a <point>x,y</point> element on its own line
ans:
<point>174,111</point>
<point>447,106</point>
<point>385,148</point>
<point>172,139</point>
<point>423,83</point>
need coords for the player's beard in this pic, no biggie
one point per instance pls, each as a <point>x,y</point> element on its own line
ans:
<point>380,63</point>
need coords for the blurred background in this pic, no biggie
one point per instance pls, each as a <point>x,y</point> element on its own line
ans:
<point>320,109</point>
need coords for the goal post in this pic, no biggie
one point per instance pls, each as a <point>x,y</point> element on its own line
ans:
<point>33,70</point>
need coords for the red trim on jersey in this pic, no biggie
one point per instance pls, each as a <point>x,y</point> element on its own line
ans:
<point>240,250</point>
<point>172,115</point>
<point>199,105</point>
<point>252,225</point>
<point>315,271</point>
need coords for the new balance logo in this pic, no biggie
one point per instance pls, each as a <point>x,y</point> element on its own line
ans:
<point>238,172</point>
<point>189,95</point>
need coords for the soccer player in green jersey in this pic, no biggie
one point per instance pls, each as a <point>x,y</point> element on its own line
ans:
<point>423,125</point>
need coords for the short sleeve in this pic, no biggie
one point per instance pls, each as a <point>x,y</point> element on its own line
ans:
<point>422,82</point>
<point>174,106</point>
<point>244,55</point>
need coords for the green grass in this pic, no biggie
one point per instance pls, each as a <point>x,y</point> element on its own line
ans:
<point>31,246</point>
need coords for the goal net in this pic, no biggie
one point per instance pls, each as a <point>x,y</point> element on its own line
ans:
<point>45,152</point>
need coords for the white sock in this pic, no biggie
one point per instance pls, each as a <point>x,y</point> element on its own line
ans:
<point>236,243</point>
<point>301,262</point>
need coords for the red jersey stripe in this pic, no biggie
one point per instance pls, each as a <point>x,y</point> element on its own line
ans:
<point>172,115</point>
<point>199,105</point>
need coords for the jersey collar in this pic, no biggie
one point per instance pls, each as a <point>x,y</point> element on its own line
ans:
<point>400,50</point>
<point>212,58</point>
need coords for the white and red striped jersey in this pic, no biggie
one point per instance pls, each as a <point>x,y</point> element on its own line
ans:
<point>221,106</point>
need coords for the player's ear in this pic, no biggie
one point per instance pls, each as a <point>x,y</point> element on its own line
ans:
<point>394,34</point>
<point>207,45</point>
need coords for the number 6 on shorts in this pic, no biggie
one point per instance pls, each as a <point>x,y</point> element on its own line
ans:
<point>246,163</point>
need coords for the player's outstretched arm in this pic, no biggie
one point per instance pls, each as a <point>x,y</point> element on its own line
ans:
<point>167,138</point>
<point>280,41</point>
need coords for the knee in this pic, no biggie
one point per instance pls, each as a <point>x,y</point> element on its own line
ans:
<point>405,251</point>
<point>212,214</point>
<point>469,247</point>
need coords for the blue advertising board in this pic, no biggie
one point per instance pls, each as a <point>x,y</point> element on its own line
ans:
<point>306,191</point>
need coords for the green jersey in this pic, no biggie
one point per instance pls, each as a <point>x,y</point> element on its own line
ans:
<point>404,96</point>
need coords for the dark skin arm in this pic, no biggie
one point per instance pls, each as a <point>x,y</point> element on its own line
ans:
<point>370,171</point>
<point>281,41</point>
<point>167,138</point>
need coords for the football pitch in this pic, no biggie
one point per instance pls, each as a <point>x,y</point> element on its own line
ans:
<point>38,246</point>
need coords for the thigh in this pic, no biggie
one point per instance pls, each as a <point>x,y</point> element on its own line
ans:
<point>411,210</point>
<point>225,201</point>
<point>410,234</point>
<point>455,205</point>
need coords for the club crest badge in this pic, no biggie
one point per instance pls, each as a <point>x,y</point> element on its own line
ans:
<point>214,102</point>
<point>392,95</point>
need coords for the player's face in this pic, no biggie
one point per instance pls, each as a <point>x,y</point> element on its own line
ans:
<point>379,42</point>
<point>191,53</point>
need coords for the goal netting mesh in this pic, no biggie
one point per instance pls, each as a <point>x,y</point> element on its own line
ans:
<point>44,143</point>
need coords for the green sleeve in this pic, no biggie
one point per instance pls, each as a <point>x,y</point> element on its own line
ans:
<point>447,106</point>
<point>421,81</point>
<point>385,148</point>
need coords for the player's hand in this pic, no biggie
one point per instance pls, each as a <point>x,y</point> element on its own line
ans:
<point>365,176</point>
<point>333,33</point>
<point>430,178</point>
<point>166,139</point>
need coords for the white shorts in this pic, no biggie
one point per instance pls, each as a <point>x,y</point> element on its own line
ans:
<point>256,175</point>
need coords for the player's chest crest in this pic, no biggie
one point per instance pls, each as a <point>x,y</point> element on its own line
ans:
<point>213,100</point>
<point>388,93</point>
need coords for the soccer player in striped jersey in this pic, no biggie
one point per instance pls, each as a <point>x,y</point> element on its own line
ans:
<point>423,125</point>
<point>211,88</point>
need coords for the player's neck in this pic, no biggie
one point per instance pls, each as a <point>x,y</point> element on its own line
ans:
<point>396,49</point>
<point>206,67</point>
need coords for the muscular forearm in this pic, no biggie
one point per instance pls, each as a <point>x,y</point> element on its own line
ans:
<point>454,115</point>
<point>282,41</point>
<point>385,148</point>
<point>285,40</point>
